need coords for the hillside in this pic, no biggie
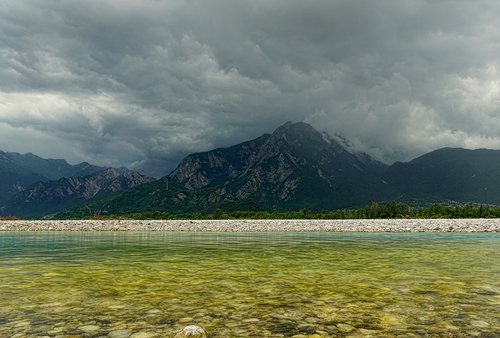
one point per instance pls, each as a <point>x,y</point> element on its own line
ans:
<point>454,174</point>
<point>17,171</point>
<point>44,198</point>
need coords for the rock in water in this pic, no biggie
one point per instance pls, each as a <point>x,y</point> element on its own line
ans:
<point>191,331</point>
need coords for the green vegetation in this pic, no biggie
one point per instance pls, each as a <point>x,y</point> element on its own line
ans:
<point>391,210</point>
<point>9,218</point>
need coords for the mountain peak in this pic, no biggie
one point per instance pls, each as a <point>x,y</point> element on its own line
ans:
<point>279,169</point>
<point>296,127</point>
<point>303,140</point>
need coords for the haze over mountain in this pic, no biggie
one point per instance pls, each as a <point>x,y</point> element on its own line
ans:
<point>299,167</point>
<point>294,167</point>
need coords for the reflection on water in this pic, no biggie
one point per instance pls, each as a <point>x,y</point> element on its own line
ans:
<point>249,285</point>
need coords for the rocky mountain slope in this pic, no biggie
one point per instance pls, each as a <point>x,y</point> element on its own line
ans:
<point>17,171</point>
<point>296,166</point>
<point>44,198</point>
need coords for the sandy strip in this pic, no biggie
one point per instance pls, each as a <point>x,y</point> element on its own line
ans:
<point>413,225</point>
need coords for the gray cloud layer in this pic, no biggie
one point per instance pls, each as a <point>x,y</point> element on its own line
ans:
<point>143,82</point>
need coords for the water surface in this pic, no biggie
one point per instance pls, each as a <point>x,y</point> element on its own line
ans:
<point>122,284</point>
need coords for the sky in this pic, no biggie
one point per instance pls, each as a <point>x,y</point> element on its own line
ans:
<point>142,83</point>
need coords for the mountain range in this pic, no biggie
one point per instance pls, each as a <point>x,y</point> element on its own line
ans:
<point>294,167</point>
<point>48,197</point>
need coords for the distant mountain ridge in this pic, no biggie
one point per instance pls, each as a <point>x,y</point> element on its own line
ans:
<point>449,174</point>
<point>17,171</point>
<point>44,198</point>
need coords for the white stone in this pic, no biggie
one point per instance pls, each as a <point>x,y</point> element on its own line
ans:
<point>191,331</point>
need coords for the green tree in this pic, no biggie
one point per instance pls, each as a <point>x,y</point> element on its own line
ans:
<point>217,214</point>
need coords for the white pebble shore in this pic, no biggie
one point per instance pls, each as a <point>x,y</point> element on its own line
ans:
<point>363,225</point>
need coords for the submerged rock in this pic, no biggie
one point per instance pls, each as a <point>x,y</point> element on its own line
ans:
<point>143,334</point>
<point>251,320</point>
<point>191,331</point>
<point>480,324</point>
<point>89,328</point>
<point>185,320</point>
<point>120,333</point>
<point>345,328</point>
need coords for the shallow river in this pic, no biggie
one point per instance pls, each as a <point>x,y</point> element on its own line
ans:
<point>151,284</point>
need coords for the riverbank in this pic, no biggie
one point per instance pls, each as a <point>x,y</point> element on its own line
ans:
<point>370,225</point>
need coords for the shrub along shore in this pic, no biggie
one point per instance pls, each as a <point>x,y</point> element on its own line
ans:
<point>390,210</point>
<point>304,225</point>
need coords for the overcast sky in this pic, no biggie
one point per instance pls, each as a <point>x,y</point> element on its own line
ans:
<point>145,82</point>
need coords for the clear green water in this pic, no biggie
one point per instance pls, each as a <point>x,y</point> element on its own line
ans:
<point>249,285</point>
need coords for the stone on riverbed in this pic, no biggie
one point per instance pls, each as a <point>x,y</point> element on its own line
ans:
<point>143,334</point>
<point>120,334</point>
<point>89,328</point>
<point>185,320</point>
<point>191,331</point>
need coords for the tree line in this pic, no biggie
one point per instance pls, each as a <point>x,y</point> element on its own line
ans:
<point>390,210</point>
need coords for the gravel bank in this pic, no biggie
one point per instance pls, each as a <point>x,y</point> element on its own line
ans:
<point>413,225</point>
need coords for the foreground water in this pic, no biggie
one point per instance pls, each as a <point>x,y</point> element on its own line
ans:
<point>151,284</point>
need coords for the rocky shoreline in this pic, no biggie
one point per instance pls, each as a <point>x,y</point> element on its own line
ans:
<point>379,225</point>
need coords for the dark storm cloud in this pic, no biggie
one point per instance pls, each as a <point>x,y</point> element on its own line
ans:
<point>145,82</point>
